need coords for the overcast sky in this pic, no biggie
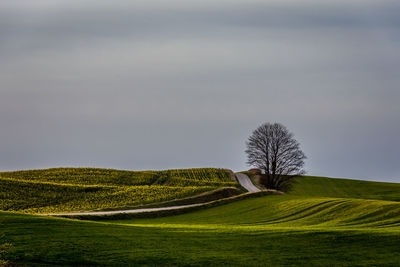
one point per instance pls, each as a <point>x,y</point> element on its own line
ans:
<point>155,84</point>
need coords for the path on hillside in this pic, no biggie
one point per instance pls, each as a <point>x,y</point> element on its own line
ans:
<point>122,211</point>
<point>243,179</point>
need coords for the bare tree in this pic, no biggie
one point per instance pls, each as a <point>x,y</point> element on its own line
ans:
<point>272,148</point>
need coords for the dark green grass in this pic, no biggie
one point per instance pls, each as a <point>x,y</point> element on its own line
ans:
<point>314,186</point>
<point>311,186</point>
<point>49,241</point>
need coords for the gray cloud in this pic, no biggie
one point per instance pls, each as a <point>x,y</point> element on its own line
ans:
<point>152,85</point>
<point>82,23</point>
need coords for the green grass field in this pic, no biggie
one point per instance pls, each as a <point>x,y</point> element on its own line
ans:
<point>85,189</point>
<point>322,222</point>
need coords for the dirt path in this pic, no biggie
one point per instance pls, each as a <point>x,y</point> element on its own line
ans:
<point>243,179</point>
<point>122,211</point>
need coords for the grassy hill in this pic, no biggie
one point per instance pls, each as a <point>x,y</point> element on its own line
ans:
<point>312,186</point>
<point>316,202</point>
<point>322,222</point>
<point>41,241</point>
<point>79,189</point>
<point>283,212</point>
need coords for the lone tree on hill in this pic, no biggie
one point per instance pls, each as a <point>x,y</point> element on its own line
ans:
<point>273,150</point>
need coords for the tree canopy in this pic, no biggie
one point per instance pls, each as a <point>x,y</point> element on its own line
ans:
<point>273,149</point>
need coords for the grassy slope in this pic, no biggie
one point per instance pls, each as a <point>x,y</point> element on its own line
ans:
<point>281,212</point>
<point>46,241</point>
<point>111,177</point>
<point>315,202</point>
<point>311,186</point>
<point>80,189</point>
<point>310,226</point>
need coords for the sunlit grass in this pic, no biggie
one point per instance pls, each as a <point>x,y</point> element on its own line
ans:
<point>85,189</point>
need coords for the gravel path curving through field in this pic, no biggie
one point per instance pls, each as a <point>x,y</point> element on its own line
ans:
<point>243,179</point>
<point>122,211</point>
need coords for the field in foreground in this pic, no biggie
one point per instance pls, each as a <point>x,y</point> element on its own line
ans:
<point>313,225</point>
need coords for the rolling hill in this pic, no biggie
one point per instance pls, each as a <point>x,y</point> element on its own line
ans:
<point>85,189</point>
<point>322,222</point>
<point>316,202</point>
